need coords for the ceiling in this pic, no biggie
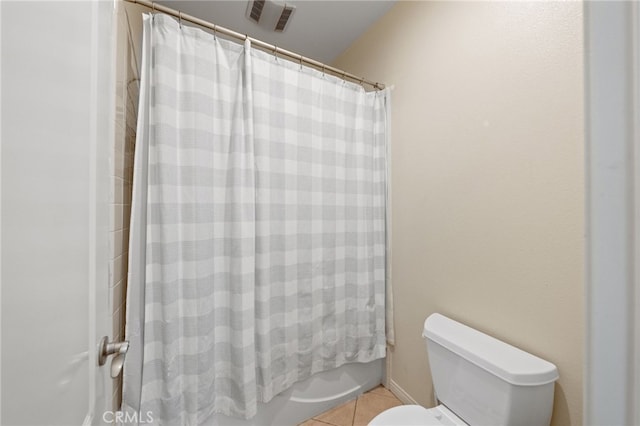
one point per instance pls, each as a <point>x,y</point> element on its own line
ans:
<point>319,29</point>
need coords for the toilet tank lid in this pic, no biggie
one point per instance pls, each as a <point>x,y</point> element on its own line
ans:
<point>513,365</point>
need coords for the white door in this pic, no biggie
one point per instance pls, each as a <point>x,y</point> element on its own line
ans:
<point>612,64</point>
<point>55,127</point>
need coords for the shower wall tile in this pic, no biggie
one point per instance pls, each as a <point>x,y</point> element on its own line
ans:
<point>118,317</point>
<point>116,272</point>
<point>118,189</point>
<point>129,36</point>
<point>117,297</point>
<point>116,242</point>
<point>116,217</point>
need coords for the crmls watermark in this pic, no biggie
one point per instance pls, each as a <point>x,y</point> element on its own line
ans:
<point>120,417</point>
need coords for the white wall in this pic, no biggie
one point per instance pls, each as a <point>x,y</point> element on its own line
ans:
<point>487,178</point>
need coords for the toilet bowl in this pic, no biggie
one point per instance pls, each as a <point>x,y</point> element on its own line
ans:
<point>417,415</point>
<point>478,380</point>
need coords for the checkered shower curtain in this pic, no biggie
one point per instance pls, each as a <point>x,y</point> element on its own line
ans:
<point>257,248</point>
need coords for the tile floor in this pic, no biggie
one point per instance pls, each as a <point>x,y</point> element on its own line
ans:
<point>357,412</point>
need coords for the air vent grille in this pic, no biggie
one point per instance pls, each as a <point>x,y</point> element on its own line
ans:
<point>284,19</point>
<point>256,10</point>
<point>270,15</point>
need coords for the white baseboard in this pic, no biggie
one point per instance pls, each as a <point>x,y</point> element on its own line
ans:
<point>386,377</point>
<point>400,393</point>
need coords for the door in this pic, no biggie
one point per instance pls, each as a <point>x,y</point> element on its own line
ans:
<point>56,123</point>
<point>612,356</point>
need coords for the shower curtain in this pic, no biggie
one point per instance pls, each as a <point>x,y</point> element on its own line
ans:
<point>257,247</point>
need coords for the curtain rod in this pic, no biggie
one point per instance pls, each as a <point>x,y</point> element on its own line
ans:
<point>258,43</point>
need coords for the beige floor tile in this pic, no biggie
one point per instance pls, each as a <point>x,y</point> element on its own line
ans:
<point>342,415</point>
<point>313,422</point>
<point>382,391</point>
<point>370,405</point>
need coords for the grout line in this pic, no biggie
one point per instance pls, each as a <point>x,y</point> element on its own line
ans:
<point>355,408</point>
<point>319,421</point>
<point>392,396</point>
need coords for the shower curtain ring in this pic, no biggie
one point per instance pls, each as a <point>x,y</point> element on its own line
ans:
<point>275,52</point>
<point>214,32</point>
<point>300,62</point>
<point>180,17</point>
<point>323,66</point>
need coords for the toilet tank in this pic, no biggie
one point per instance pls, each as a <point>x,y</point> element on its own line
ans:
<point>485,381</point>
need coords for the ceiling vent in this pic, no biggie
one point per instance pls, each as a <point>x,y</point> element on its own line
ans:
<point>270,15</point>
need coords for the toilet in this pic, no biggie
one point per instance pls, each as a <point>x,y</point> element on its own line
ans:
<point>478,380</point>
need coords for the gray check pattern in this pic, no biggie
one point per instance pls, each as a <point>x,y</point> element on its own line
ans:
<point>264,245</point>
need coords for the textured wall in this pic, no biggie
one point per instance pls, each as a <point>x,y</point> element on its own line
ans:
<point>487,177</point>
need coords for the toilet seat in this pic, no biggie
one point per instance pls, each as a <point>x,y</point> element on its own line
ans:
<point>417,415</point>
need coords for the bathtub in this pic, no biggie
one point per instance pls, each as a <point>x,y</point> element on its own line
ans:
<point>312,396</point>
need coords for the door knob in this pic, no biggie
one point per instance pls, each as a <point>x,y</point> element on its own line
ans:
<point>119,349</point>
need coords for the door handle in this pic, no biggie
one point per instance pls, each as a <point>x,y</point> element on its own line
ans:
<point>119,349</point>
